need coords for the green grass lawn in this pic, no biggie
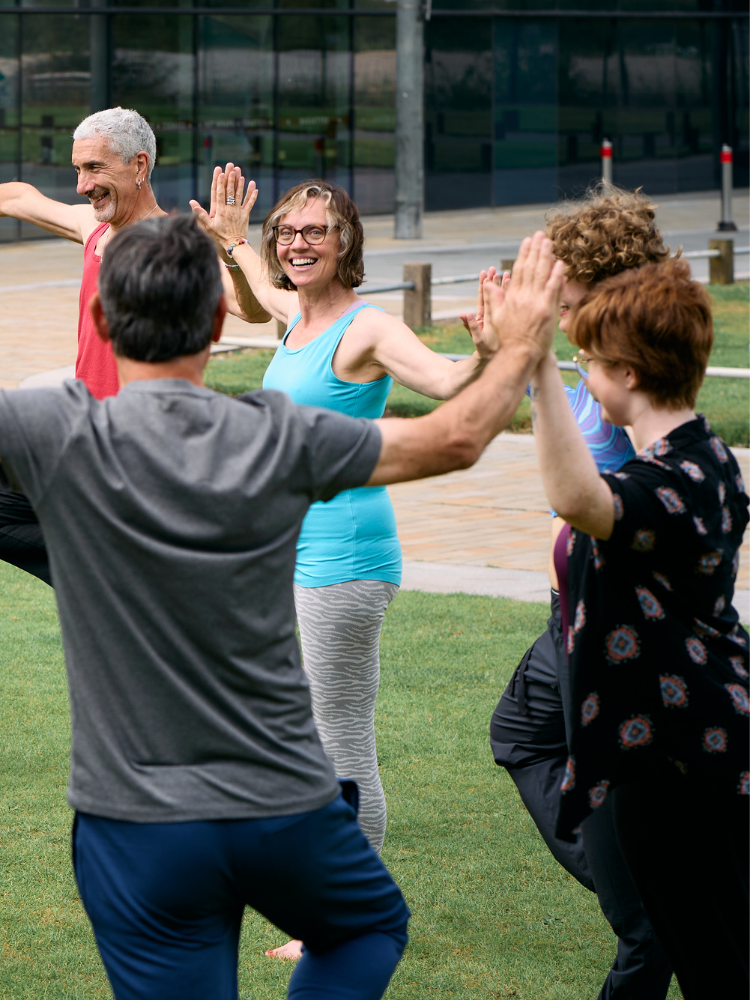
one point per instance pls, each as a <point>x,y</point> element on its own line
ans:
<point>726,402</point>
<point>493,914</point>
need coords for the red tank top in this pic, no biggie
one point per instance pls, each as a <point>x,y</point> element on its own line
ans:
<point>95,364</point>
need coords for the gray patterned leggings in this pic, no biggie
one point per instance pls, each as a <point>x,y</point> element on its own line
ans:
<point>340,632</point>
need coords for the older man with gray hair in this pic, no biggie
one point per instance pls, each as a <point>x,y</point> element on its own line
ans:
<point>114,152</point>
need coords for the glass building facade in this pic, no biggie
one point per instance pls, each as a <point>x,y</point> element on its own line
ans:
<point>518,94</point>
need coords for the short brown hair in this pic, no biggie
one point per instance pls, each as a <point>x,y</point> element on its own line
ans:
<point>655,318</point>
<point>341,213</point>
<point>607,232</point>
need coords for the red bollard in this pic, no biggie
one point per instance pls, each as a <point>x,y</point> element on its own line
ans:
<point>605,152</point>
<point>725,157</point>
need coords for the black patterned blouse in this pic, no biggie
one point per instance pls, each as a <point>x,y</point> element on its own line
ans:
<point>659,661</point>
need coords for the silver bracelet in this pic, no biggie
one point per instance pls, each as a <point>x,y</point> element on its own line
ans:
<point>230,267</point>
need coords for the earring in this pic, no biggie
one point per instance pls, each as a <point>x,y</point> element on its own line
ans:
<point>139,184</point>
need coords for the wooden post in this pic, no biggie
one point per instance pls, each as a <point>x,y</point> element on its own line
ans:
<point>280,329</point>
<point>721,269</point>
<point>418,303</point>
<point>506,264</point>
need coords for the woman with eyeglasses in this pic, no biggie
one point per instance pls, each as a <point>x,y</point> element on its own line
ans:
<point>610,231</point>
<point>343,353</point>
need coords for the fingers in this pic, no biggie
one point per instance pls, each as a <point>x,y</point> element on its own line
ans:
<point>201,215</point>
<point>251,196</point>
<point>214,182</point>
<point>471,325</point>
<point>221,189</point>
<point>230,182</point>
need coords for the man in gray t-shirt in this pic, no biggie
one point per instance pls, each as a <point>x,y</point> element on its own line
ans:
<point>171,516</point>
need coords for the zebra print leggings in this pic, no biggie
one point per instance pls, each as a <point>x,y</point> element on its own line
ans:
<point>340,633</point>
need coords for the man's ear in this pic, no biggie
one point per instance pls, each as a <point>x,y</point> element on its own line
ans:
<point>219,317</point>
<point>100,320</point>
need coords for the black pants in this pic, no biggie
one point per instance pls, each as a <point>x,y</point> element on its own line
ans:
<point>528,738</point>
<point>688,854</point>
<point>21,538</point>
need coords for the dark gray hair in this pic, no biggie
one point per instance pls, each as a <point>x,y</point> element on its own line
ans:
<point>160,284</point>
<point>128,133</point>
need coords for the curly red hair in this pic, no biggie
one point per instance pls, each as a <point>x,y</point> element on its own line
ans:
<point>607,232</point>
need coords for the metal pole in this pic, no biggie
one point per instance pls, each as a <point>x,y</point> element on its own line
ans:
<point>409,120</point>
<point>726,224</point>
<point>605,151</point>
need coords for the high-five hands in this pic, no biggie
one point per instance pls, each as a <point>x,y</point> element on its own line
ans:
<point>227,219</point>
<point>525,311</point>
<point>485,341</point>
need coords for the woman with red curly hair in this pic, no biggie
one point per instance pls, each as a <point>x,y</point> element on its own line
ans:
<point>658,658</point>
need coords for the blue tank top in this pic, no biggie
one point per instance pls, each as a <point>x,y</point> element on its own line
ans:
<point>353,536</point>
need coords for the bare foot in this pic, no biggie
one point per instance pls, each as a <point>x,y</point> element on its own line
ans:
<point>292,950</point>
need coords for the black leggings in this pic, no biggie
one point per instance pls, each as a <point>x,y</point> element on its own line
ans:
<point>21,538</point>
<point>687,851</point>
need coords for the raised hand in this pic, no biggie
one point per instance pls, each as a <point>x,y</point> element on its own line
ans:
<point>485,341</point>
<point>526,311</point>
<point>228,216</point>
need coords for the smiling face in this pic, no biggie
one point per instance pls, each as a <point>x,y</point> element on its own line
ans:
<point>306,265</point>
<point>572,294</point>
<point>108,182</point>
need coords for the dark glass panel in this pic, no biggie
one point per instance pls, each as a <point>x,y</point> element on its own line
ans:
<point>525,112</point>
<point>153,71</point>
<point>236,114</point>
<point>55,82</point>
<point>374,113</point>
<point>314,111</point>
<point>739,72</point>
<point>9,134</point>
<point>458,113</point>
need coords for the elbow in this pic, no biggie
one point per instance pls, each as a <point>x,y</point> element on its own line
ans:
<point>463,450</point>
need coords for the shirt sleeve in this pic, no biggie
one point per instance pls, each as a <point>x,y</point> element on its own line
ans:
<point>35,427</point>
<point>331,452</point>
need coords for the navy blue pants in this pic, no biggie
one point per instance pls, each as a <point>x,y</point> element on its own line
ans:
<point>528,738</point>
<point>166,901</point>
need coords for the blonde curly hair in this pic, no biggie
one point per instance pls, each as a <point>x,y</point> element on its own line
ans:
<point>610,230</point>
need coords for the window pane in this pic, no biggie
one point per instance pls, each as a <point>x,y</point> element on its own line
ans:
<point>525,113</point>
<point>153,71</point>
<point>235,71</point>
<point>458,113</point>
<point>374,115</point>
<point>315,69</point>
<point>55,82</point>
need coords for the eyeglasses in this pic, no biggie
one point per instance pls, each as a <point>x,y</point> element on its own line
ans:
<point>582,362</point>
<point>285,235</point>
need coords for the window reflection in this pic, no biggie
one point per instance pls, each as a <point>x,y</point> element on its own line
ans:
<point>515,107</point>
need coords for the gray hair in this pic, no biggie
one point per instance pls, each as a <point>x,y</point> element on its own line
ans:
<point>128,133</point>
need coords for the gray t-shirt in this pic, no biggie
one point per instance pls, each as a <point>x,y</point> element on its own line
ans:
<point>171,515</point>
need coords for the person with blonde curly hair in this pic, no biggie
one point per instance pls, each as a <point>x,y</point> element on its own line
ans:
<point>610,231</point>
<point>341,353</point>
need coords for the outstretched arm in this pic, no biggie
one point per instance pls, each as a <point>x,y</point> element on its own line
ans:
<point>24,202</point>
<point>227,223</point>
<point>455,436</point>
<point>570,477</point>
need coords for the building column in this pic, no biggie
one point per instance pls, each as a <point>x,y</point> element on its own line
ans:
<point>409,120</point>
<point>99,58</point>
